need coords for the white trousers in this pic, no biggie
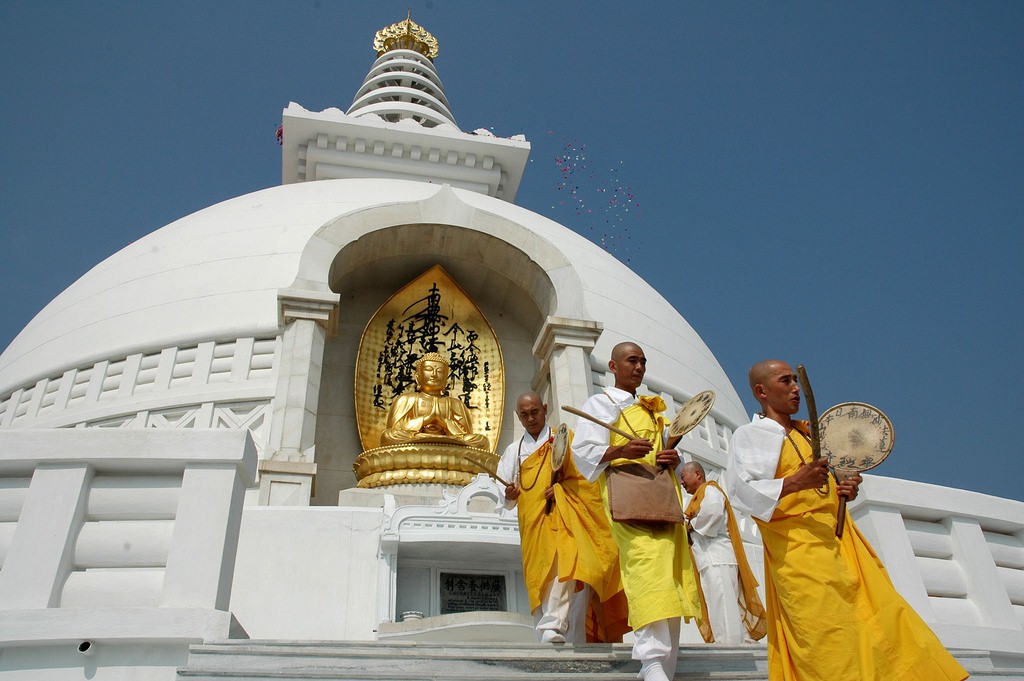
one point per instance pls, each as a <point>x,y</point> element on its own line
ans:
<point>561,609</point>
<point>658,642</point>
<point>720,584</point>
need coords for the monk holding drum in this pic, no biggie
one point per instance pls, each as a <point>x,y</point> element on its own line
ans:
<point>833,613</point>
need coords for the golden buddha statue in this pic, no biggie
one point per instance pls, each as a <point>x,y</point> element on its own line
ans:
<point>429,415</point>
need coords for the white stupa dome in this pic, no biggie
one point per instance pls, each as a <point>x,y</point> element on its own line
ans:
<point>197,324</point>
<point>216,275</point>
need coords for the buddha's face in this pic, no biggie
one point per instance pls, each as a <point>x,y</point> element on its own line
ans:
<point>432,376</point>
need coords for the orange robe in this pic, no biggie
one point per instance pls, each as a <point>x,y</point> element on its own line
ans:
<point>577,534</point>
<point>834,615</point>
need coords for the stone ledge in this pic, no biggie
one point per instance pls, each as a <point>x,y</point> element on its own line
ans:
<point>142,451</point>
<point>115,625</point>
<point>462,627</point>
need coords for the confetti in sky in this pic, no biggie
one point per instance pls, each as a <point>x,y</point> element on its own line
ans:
<point>602,206</point>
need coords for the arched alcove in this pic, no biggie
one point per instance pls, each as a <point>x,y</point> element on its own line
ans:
<point>513,291</point>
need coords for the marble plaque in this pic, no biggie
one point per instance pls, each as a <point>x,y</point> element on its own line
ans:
<point>467,593</point>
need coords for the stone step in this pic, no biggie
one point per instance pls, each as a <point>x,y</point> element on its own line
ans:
<point>409,661</point>
<point>287,660</point>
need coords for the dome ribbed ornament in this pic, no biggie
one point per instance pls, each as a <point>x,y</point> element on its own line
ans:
<point>405,35</point>
<point>403,83</point>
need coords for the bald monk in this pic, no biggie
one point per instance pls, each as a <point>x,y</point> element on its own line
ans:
<point>429,415</point>
<point>657,574</point>
<point>570,563</point>
<point>833,613</point>
<point>735,612</point>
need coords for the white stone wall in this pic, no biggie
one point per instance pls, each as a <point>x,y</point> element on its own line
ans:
<point>956,556</point>
<point>133,537</point>
<point>307,573</point>
<point>321,573</point>
<point>112,539</point>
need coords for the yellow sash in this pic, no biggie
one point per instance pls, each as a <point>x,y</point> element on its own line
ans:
<point>657,572</point>
<point>754,617</point>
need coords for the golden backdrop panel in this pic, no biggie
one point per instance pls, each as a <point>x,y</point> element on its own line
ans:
<point>429,314</point>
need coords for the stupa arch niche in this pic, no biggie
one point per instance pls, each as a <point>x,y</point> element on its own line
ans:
<point>522,295</point>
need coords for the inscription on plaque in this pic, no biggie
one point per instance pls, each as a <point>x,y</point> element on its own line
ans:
<point>466,593</point>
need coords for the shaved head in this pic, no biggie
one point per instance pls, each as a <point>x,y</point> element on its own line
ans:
<point>777,389</point>
<point>532,413</point>
<point>629,365</point>
<point>760,372</point>
<point>624,348</point>
<point>693,466</point>
<point>692,476</point>
<point>528,397</point>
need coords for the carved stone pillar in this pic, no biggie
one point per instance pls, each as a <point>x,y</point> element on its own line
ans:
<point>287,475</point>
<point>563,347</point>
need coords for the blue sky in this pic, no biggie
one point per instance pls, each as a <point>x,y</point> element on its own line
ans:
<point>836,184</point>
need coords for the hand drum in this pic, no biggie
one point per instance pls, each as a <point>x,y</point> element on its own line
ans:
<point>855,436</point>
<point>692,413</point>
<point>560,447</point>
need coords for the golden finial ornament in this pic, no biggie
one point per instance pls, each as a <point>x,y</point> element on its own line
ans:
<point>405,35</point>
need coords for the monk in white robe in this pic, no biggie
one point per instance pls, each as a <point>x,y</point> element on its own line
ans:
<point>735,612</point>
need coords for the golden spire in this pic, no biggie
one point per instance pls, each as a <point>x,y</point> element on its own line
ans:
<point>405,35</point>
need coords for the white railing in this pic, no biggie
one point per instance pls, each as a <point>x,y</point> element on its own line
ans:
<point>119,534</point>
<point>956,556</point>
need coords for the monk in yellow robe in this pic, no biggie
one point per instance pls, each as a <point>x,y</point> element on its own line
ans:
<point>834,615</point>
<point>657,573</point>
<point>570,563</point>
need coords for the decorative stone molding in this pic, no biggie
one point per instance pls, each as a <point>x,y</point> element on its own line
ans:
<point>454,516</point>
<point>308,317</point>
<point>333,145</point>
<point>316,306</point>
<point>91,494</point>
<point>956,556</point>
<point>563,346</point>
<point>463,521</point>
<point>128,389</point>
<point>286,483</point>
<point>562,332</point>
